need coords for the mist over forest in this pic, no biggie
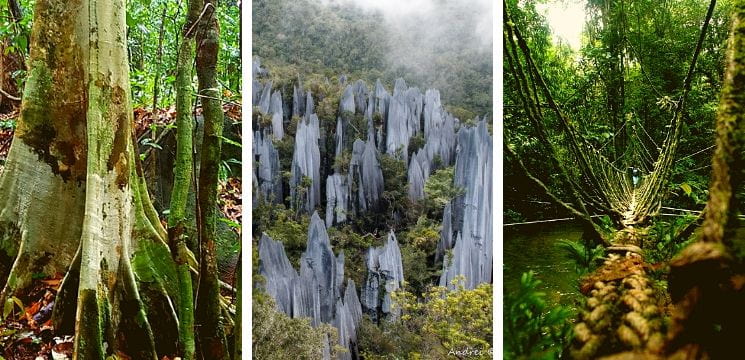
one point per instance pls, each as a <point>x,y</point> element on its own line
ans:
<point>430,43</point>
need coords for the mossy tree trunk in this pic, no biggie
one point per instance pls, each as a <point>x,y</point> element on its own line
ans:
<point>706,278</point>
<point>209,319</point>
<point>73,189</point>
<point>183,181</point>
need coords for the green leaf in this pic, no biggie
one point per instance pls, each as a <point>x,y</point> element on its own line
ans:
<point>686,188</point>
<point>131,22</point>
<point>231,142</point>
<point>21,42</point>
<point>18,302</point>
<point>7,308</point>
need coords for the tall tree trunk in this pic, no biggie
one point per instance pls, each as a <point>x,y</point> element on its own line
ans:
<point>159,59</point>
<point>183,180</point>
<point>706,278</point>
<point>73,185</point>
<point>208,312</point>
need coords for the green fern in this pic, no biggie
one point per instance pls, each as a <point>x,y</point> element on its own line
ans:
<point>584,257</point>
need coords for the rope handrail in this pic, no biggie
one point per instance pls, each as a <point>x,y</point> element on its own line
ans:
<point>609,183</point>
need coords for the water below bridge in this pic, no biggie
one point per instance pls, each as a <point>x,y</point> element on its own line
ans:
<point>533,247</point>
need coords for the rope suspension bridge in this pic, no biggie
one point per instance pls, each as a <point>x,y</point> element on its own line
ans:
<point>597,182</point>
<point>626,316</point>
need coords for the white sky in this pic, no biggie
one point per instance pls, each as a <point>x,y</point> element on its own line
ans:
<point>566,18</point>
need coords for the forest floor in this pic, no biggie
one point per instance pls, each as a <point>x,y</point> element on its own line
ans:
<point>26,332</point>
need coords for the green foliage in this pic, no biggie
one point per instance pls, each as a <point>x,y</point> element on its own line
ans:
<point>277,336</point>
<point>354,246</point>
<point>415,143</point>
<point>665,240</point>
<point>418,246</point>
<point>395,196</point>
<point>606,226</point>
<point>419,271</point>
<point>342,162</point>
<point>281,225</point>
<point>444,322</point>
<point>387,341</point>
<point>12,304</point>
<point>585,257</point>
<point>448,320</point>
<point>512,216</point>
<point>439,189</point>
<point>424,235</point>
<point>533,330</point>
<point>144,21</point>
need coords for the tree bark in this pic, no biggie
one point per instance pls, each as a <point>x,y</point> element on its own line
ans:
<point>706,277</point>
<point>159,60</point>
<point>73,185</point>
<point>183,181</point>
<point>208,312</point>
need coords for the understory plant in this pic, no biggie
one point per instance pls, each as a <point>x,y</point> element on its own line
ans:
<point>532,328</point>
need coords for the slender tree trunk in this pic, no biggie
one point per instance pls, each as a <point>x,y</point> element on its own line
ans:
<point>159,59</point>
<point>16,12</point>
<point>183,181</point>
<point>208,313</point>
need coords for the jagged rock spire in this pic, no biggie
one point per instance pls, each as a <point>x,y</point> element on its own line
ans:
<point>267,168</point>
<point>385,275</point>
<point>318,290</point>
<point>306,162</point>
<point>472,212</point>
<point>277,112</point>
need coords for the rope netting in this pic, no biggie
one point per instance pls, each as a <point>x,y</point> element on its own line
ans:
<point>594,179</point>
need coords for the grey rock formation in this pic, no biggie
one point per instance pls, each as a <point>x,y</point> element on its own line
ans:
<point>309,107</point>
<point>319,266</point>
<point>361,95</point>
<point>318,290</point>
<point>346,103</point>
<point>416,180</point>
<point>267,169</point>
<point>351,298</point>
<point>256,85</point>
<point>365,171</point>
<point>414,101</point>
<point>432,110</point>
<point>277,112</point>
<point>266,97</point>
<point>306,162</point>
<point>404,116</point>
<point>381,99</point>
<point>385,274</point>
<point>472,212</point>
<point>397,126</point>
<point>276,267</point>
<point>256,88</point>
<point>337,199</point>
<point>446,234</point>
<point>298,106</point>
